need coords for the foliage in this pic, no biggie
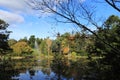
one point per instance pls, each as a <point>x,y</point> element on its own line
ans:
<point>39,40</point>
<point>43,47</point>
<point>31,41</point>
<point>65,50</point>
<point>110,55</point>
<point>21,48</point>
<point>55,47</point>
<point>110,34</point>
<point>68,43</point>
<point>49,43</point>
<point>73,54</point>
<point>4,34</point>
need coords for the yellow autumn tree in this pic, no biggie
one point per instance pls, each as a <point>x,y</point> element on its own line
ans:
<point>21,48</point>
<point>49,43</point>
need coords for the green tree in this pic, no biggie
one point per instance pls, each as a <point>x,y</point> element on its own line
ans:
<point>38,41</point>
<point>31,41</point>
<point>43,47</point>
<point>4,34</point>
<point>56,46</point>
<point>109,63</point>
<point>81,42</point>
<point>110,34</point>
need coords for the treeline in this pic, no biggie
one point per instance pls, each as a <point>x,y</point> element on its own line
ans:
<point>105,44</point>
<point>66,43</point>
<point>77,43</point>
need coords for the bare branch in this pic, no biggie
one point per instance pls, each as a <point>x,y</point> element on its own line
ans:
<point>113,3</point>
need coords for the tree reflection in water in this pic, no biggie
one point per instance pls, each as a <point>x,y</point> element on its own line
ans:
<point>69,69</point>
<point>7,70</point>
<point>59,68</point>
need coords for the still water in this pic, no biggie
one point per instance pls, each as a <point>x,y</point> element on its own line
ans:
<point>30,69</point>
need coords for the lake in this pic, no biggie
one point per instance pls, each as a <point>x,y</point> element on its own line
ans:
<point>45,69</point>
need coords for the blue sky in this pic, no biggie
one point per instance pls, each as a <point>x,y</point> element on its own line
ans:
<point>25,22</point>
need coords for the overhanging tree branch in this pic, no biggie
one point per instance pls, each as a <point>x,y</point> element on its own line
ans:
<point>71,13</point>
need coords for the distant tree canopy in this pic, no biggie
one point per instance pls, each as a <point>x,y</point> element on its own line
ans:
<point>24,39</point>
<point>69,42</point>
<point>4,34</point>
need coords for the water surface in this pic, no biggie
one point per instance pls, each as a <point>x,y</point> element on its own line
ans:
<point>30,69</point>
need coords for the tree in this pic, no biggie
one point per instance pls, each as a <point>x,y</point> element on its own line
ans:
<point>65,43</point>
<point>56,46</point>
<point>43,47</point>
<point>21,48</point>
<point>31,41</point>
<point>49,43</point>
<point>71,11</point>
<point>109,63</point>
<point>4,34</point>
<point>110,33</point>
<point>38,41</point>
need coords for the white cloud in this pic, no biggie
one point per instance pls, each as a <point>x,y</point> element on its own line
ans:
<point>10,17</point>
<point>18,6</point>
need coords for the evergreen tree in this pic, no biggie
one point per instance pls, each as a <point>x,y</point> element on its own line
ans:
<point>4,34</point>
<point>31,41</point>
<point>109,63</point>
